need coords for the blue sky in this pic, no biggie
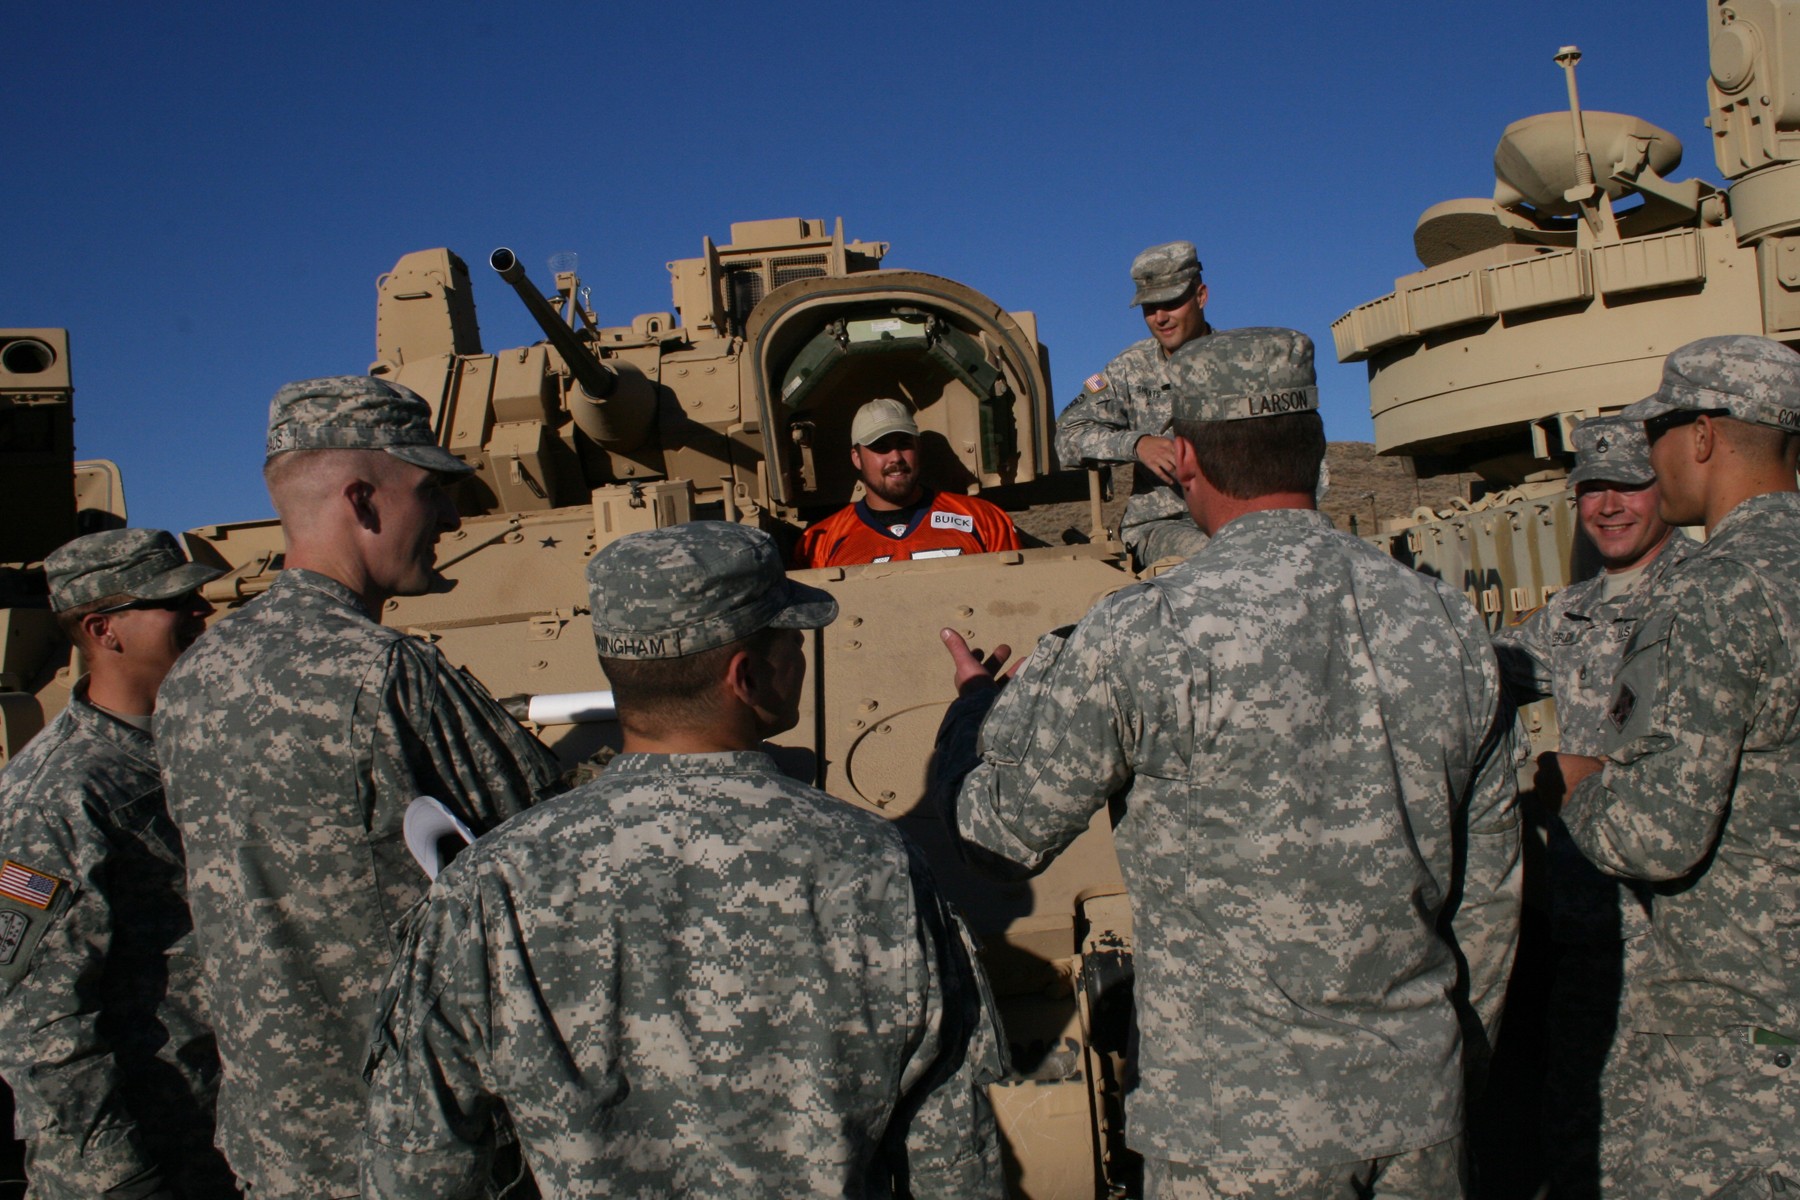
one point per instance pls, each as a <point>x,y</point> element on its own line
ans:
<point>204,194</point>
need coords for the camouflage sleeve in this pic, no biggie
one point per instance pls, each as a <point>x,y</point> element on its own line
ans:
<point>1687,691</point>
<point>431,1120</point>
<point>1486,921</point>
<point>441,734</point>
<point>1053,748</point>
<point>1524,660</point>
<point>951,1142</point>
<point>1096,426</point>
<point>65,1081</point>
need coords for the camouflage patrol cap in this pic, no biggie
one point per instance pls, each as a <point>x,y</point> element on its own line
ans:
<point>665,593</point>
<point>1162,273</point>
<point>358,412</point>
<point>1751,378</point>
<point>1239,373</point>
<point>878,418</point>
<point>1611,449</point>
<point>144,564</point>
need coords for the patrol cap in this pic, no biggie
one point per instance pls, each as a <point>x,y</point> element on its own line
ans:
<point>1234,374</point>
<point>1751,378</point>
<point>878,418</point>
<point>144,564</point>
<point>665,593</point>
<point>358,412</point>
<point>1162,273</point>
<point>1613,450</point>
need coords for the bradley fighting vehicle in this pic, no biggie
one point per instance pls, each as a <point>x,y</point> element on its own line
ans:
<point>733,405</point>
<point>1558,298</point>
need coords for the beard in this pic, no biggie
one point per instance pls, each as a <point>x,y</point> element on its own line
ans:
<point>897,486</point>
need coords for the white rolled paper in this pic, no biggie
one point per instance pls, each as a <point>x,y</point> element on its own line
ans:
<point>572,708</point>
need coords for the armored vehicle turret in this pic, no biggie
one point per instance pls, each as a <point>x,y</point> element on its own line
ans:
<point>1557,298</point>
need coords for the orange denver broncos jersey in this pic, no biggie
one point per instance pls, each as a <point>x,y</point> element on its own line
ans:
<point>943,524</point>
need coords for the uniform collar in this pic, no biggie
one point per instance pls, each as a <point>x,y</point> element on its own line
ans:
<point>1749,510</point>
<point>1264,522</point>
<point>723,762</point>
<point>104,725</point>
<point>301,579</point>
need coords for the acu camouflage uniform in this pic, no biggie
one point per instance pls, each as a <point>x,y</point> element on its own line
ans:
<point>1570,650</point>
<point>1307,747</point>
<point>293,736</point>
<point>692,976</point>
<point>1699,799</point>
<point>103,1032</point>
<point>1130,399</point>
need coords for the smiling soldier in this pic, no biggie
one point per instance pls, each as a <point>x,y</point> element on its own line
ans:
<point>1695,795</point>
<point>1570,650</point>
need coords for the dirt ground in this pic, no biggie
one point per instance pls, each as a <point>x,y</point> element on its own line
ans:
<point>1364,488</point>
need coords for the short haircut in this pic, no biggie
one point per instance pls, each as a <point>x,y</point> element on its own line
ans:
<point>675,692</point>
<point>1755,441</point>
<point>298,479</point>
<point>69,620</point>
<point>1260,455</point>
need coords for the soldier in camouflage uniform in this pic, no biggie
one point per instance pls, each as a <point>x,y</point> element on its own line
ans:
<point>1313,770</point>
<point>692,976</point>
<point>103,1033</point>
<point>1696,796</point>
<point>292,738</point>
<point>1122,414</point>
<point>1570,650</point>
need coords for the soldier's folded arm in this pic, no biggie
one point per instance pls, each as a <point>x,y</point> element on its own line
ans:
<point>1096,427</point>
<point>65,1081</point>
<point>1051,751</point>
<point>1655,812</point>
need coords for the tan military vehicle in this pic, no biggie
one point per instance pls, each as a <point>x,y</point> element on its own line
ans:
<point>42,511</point>
<point>1557,299</point>
<point>736,405</point>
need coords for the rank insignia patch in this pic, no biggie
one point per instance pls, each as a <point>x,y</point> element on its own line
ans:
<point>21,883</point>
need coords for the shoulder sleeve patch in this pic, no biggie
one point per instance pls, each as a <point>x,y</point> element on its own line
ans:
<point>30,902</point>
<point>1096,383</point>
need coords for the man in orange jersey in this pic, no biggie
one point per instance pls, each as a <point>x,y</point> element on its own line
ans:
<point>898,517</point>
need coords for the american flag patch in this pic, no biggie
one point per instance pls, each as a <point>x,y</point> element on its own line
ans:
<point>1095,382</point>
<point>26,885</point>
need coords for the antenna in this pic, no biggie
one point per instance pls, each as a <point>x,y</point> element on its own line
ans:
<point>1596,206</point>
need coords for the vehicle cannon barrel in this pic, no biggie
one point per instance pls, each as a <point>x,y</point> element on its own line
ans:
<point>612,405</point>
